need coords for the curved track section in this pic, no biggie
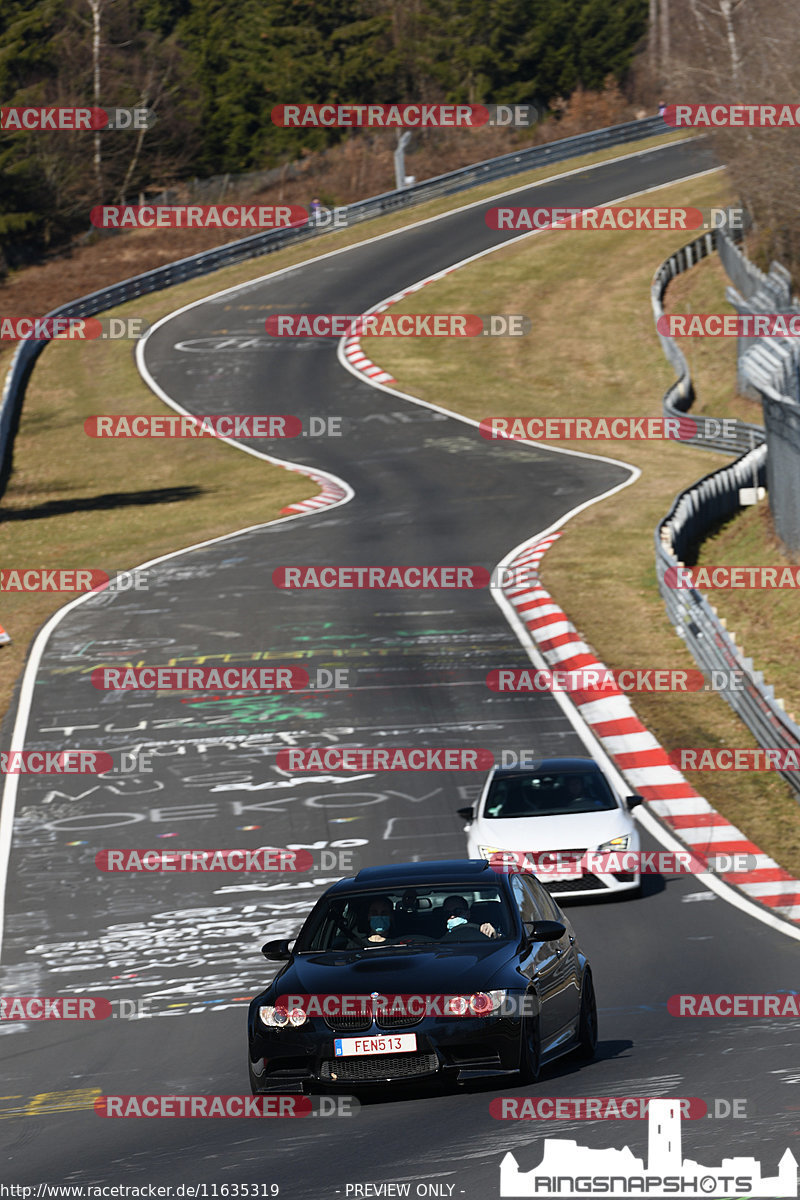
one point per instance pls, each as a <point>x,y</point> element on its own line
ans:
<point>426,489</point>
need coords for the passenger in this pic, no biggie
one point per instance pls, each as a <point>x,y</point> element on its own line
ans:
<point>456,913</point>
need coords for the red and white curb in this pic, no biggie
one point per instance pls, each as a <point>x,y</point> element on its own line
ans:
<point>638,755</point>
<point>352,345</point>
<point>333,492</point>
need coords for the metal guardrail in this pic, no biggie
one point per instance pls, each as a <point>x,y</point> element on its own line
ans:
<point>712,499</point>
<point>737,436</point>
<point>275,239</point>
<point>769,370</point>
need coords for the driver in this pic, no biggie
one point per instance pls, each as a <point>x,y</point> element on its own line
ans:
<point>380,919</point>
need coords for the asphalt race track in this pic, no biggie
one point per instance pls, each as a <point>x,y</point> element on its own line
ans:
<point>428,490</point>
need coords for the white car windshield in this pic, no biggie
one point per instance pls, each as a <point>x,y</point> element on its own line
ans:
<point>554,794</point>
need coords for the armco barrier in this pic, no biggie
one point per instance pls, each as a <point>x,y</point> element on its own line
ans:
<point>769,369</point>
<point>712,499</point>
<point>741,435</point>
<point>275,239</point>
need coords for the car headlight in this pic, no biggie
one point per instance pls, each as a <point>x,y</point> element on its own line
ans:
<point>278,1017</point>
<point>617,843</point>
<point>488,851</point>
<point>479,1004</point>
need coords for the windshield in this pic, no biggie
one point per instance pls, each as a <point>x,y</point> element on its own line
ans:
<point>554,794</point>
<point>418,916</point>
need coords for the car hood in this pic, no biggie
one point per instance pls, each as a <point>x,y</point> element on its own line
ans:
<point>584,831</point>
<point>463,968</point>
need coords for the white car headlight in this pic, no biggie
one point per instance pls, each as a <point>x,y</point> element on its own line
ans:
<point>617,843</point>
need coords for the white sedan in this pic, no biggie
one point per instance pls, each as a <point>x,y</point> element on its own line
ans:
<point>563,821</point>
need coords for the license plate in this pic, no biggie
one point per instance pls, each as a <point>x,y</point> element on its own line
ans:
<point>400,1043</point>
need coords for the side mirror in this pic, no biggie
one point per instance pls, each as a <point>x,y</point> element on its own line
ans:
<point>467,813</point>
<point>546,931</point>
<point>633,801</point>
<point>277,951</point>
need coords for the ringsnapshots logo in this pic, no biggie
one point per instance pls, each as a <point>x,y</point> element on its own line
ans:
<point>71,329</point>
<point>74,119</point>
<point>403,116</point>
<point>198,216</point>
<point>614,218</point>
<point>401,325</point>
<point>570,1170</point>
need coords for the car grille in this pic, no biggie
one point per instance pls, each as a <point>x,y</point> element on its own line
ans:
<point>377,1067</point>
<point>361,1022</point>
<point>398,1020</point>
<point>583,884</point>
<point>349,1023</point>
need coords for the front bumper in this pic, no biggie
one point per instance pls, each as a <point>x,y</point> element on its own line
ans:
<point>460,1048</point>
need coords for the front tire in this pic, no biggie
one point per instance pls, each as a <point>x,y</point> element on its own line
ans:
<point>530,1053</point>
<point>587,1021</point>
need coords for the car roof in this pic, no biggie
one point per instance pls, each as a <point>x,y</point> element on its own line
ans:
<point>465,871</point>
<point>544,766</point>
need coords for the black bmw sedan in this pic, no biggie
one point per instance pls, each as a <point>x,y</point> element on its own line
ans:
<point>422,969</point>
